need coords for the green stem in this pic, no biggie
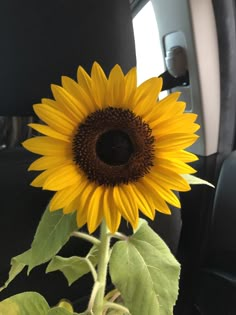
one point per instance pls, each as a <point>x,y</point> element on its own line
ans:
<point>119,236</point>
<point>93,297</point>
<point>92,269</point>
<point>103,259</point>
<point>86,237</point>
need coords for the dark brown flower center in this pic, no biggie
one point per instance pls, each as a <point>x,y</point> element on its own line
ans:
<point>113,146</point>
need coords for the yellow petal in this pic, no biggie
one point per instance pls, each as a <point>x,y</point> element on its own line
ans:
<point>187,128</point>
<point>71,207</point>
<point>183,123</point>
<point>126,205</point>
<point>170,102</point>
<point>52,103</point>
<point>167,107</point>
<point>74,205</point>
<point>175,142</point>
<point>99,84</point>
<point>144,203</point>
<point>95,209</point>
<point>111,214</point>
<point>78,93</point>
<point>47,162</point>
<point>48,131</point>
<point>146,96</point>
<point>84,81</point>
<point>81,217</point>
<point>181,155</point>
<point>55,119</point>
<point>47,146</point>
<point>62,177</point>
<point>165,193</point>
<point>40,179</point>
<point>161,205</point>
<point>150,191</point>
<point>116,87</point>
<point>169,179</point>
<point>173,164</point>
<point>83,203</point>
<point>64,197</point>
<point>130,88</point>
<point>74,108</point>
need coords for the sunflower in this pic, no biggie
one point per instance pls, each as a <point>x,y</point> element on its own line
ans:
<point>110,149</point>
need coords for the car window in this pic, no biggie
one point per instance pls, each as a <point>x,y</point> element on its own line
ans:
<point>150,61</point>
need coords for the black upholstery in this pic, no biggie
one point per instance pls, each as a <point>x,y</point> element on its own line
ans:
<point>42,40</point>
<point>223,240</point>
<point>216,287</point>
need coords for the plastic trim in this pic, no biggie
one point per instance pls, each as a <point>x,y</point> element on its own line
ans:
<point>195,19</point>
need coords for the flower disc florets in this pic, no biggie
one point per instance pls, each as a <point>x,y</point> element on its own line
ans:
<point>113,147</point>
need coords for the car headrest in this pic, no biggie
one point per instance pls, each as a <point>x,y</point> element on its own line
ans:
<point>43,40</point>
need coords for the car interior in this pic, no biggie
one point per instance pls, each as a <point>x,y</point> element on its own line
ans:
<point>196,43</point>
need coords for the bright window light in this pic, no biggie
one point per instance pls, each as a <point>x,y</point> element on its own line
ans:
<point>149,55</point>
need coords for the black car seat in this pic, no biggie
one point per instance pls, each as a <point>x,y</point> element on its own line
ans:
<point>216,288</point>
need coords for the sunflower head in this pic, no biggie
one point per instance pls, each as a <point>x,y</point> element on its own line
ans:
<point>110,149</point>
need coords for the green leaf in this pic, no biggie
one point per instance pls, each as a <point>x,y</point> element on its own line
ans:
<point>59,311</point>
<point>74,267</point>
<point>62,311</point>
<point>145,272</point>
<point>194,180</point>
<point>115,312</point>
<point>52,233</point>
<point>17,265</point>
<point>26,303</point>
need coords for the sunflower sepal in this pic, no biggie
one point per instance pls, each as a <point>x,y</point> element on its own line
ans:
<point>194,180</point>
